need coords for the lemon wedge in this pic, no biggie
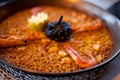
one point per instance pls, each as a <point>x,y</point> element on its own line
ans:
<point>38,22</point>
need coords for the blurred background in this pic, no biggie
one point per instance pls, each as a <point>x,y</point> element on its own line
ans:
<point>103,3</point>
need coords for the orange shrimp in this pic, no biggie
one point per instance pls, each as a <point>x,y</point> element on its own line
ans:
<point>9,41</point>
<point>95,25</point>
<point>82,62</point>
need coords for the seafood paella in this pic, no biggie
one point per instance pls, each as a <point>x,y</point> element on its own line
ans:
<point>54,39</point>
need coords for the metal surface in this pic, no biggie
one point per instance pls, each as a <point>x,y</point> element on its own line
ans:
<point>113,26</point>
